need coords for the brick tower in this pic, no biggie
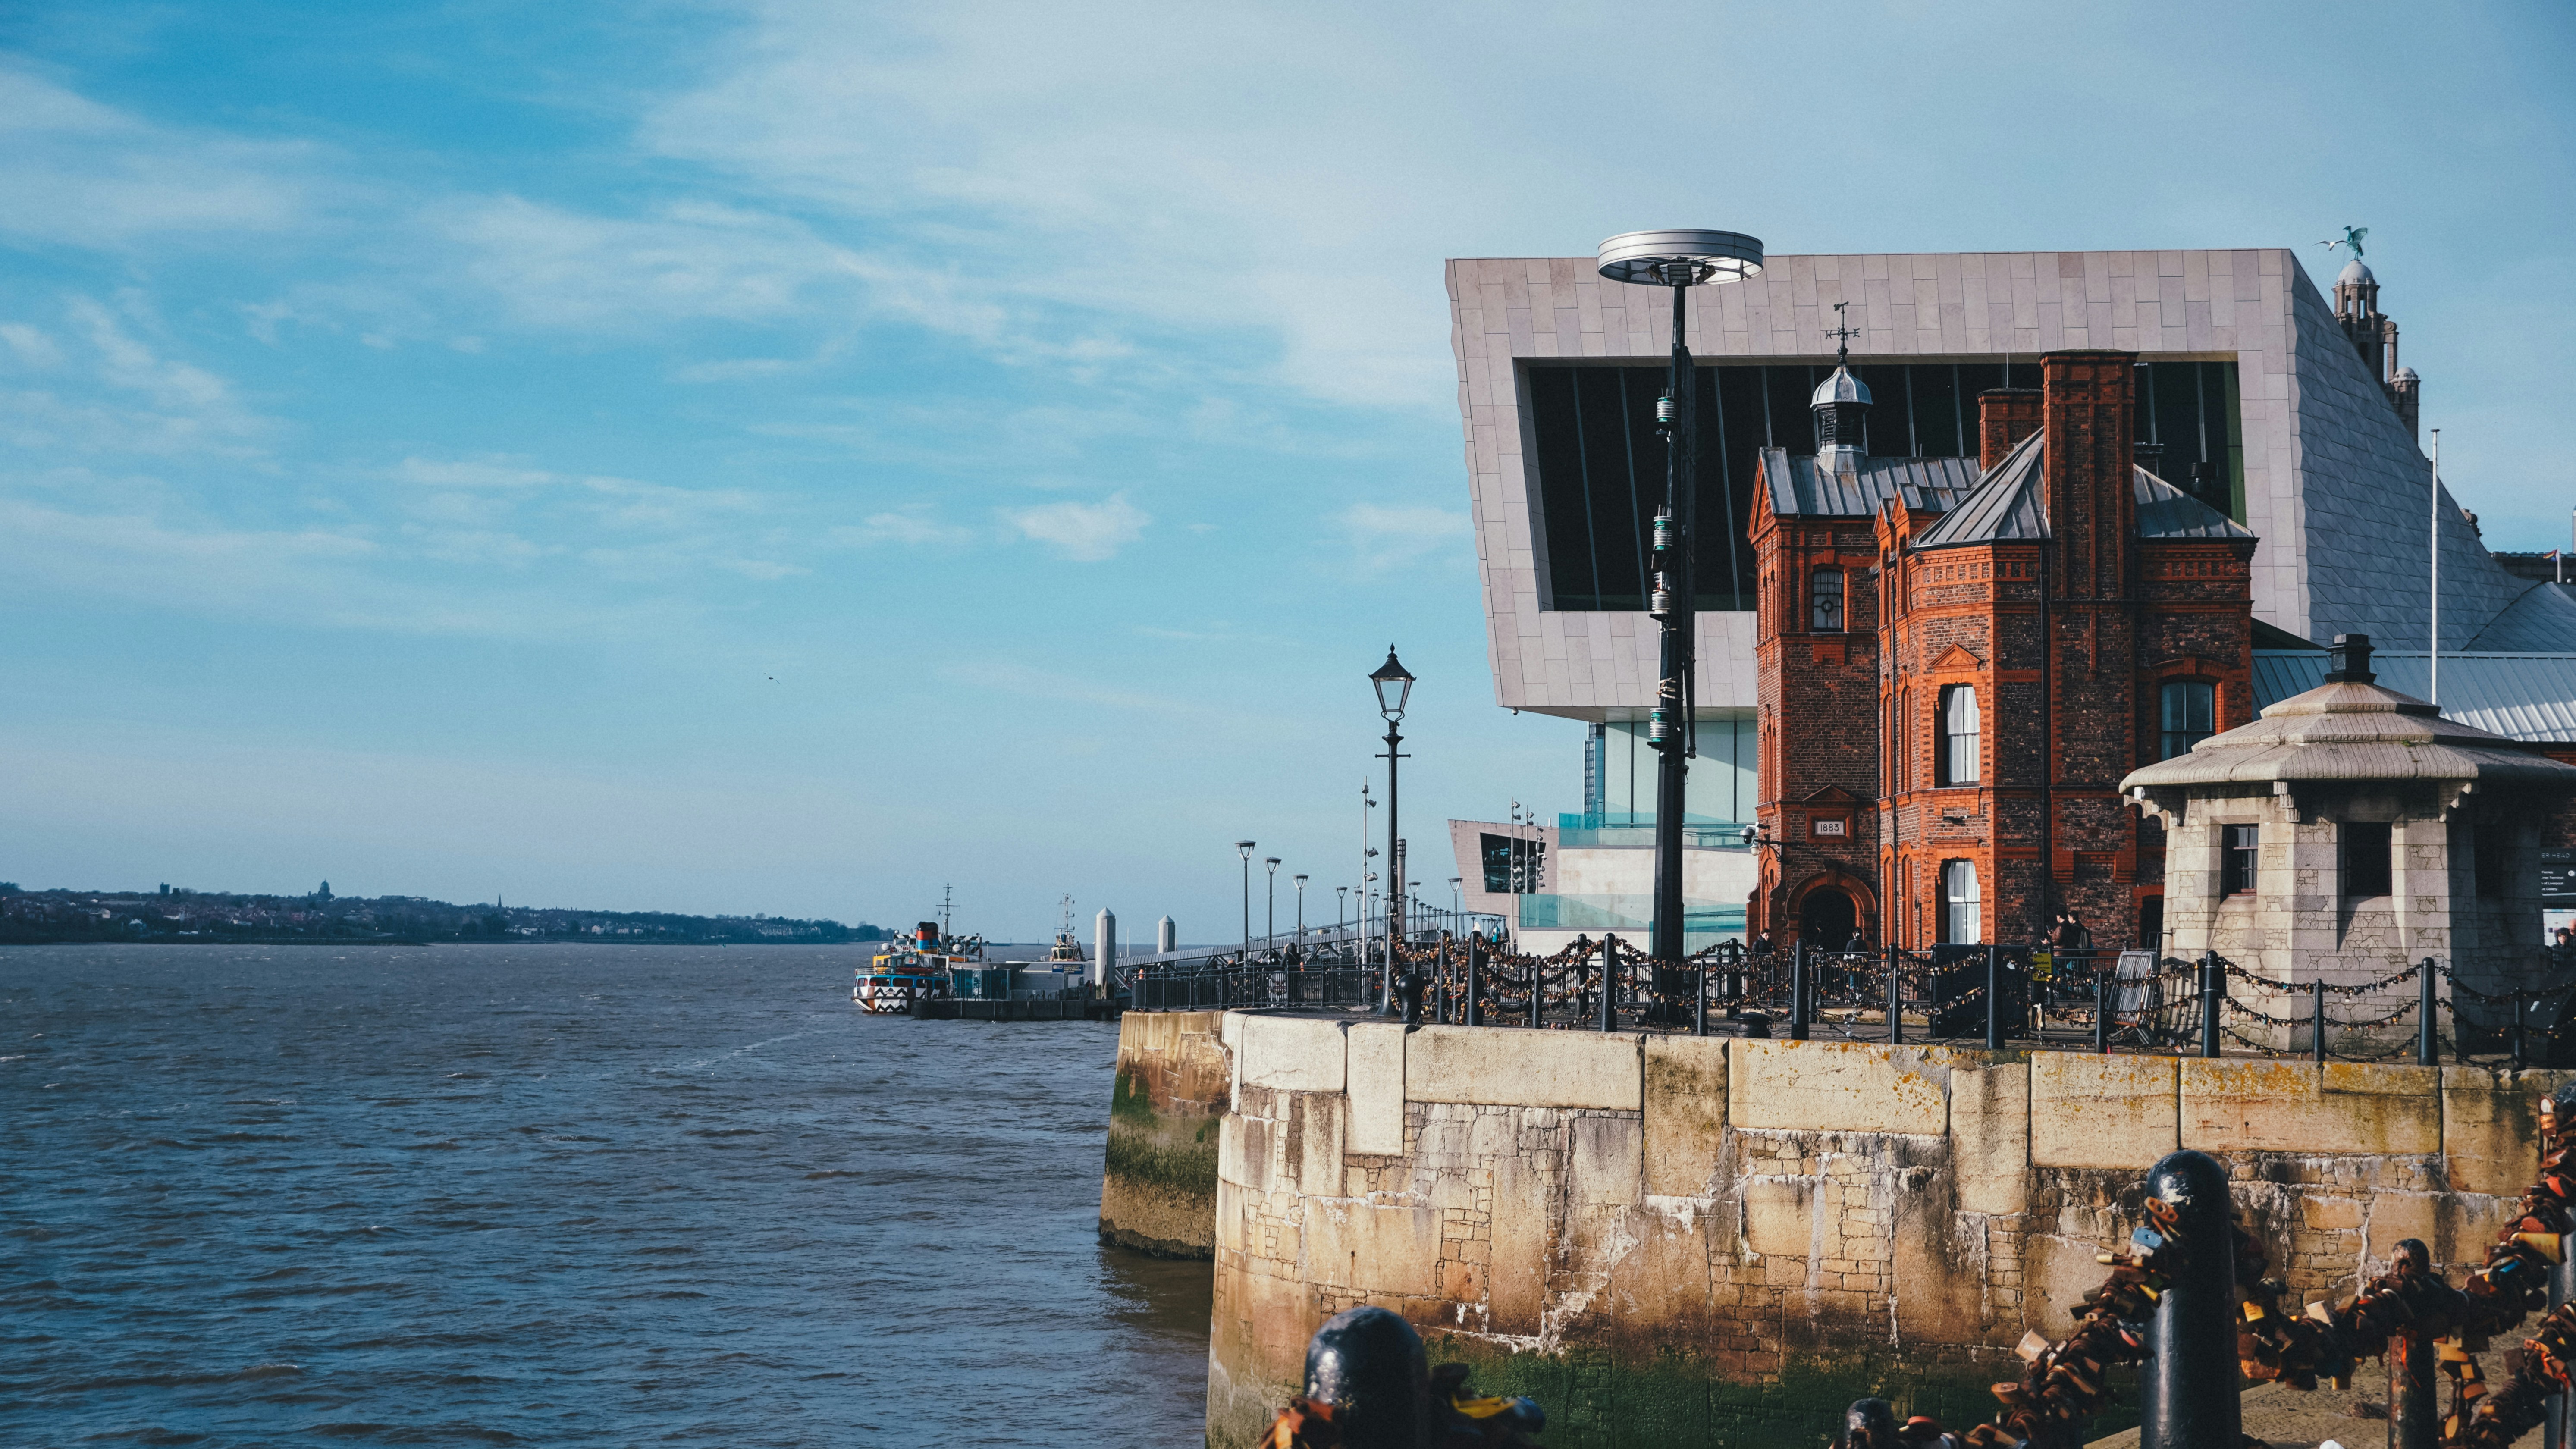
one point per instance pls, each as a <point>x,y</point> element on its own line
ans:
<point>1975,770</point>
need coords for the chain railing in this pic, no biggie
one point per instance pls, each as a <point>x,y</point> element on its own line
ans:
<point>1992,995</point>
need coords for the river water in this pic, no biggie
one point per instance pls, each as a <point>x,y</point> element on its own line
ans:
<point>558,1195</point>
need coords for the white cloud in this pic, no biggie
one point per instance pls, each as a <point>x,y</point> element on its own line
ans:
<point>1087,532</point>
<point>79,173</point>
<point>911,528</point>
<point>1384,537</point>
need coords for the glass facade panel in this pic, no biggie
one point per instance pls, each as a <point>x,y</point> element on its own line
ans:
<point>1720,786</point>
<point>1600,465</point>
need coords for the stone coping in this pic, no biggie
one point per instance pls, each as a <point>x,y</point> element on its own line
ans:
<point>2047,1109</point>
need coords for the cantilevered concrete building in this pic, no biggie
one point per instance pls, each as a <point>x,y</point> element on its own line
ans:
<point>2280,407</point>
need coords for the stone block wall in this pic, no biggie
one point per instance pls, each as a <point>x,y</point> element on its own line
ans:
<point>1699,1241</point>
<point>1158,1184</point>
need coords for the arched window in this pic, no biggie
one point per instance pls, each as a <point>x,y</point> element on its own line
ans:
<point>1960,921</point>
<point>1958,762</point>
<point>2190,716</point>
<point>1825,591</point>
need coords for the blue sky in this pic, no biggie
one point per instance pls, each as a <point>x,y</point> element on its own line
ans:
<point>784,458</point>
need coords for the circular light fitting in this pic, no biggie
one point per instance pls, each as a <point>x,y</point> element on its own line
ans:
<point>1680,257</point>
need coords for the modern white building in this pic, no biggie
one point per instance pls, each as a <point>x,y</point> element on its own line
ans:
<point>2277,404</point>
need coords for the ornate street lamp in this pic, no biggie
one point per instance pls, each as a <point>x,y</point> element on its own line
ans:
<point>1680,260</point>
<point>1301,912</point>
<point>1394,685</point>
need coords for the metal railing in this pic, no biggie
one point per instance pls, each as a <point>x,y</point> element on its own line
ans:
<point>1990,995</point>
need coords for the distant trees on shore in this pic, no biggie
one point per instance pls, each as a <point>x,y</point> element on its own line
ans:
<point>179,914</point>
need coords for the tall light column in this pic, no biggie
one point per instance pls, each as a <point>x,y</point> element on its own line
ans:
<point>1394,685</point>
<point>1270,917</point>
<point>1679,260</point>
<point>1244,849</point>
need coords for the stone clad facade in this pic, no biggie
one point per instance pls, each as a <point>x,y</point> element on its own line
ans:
<point>1680,1241</point>
<point>1869,801</point>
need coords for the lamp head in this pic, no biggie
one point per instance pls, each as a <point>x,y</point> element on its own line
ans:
<point>1393,684</point>
<point>1245,847</point>
<point>1299,879</point>
<point>1271,861</point>
<point>1680,258</point>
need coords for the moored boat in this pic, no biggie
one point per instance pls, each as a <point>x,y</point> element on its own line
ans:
<point>914,968</point>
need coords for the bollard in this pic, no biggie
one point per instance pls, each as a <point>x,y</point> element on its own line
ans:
<point>1410,990</point>
<point>1368,1367</point>
<point>1994,999</point>
<point>1609,982</point>
<point>2101,1015</point>
<point>2414,1396</point>
<point>1798,992</point>
<point>2213,988</point>
<point>2428,1048</point>
<point>2188,1390</point>
<point>1895,1001</point>
<point>1475,1012</point>
<point>2319,1030</point>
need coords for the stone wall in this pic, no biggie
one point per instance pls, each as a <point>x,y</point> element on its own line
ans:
<point>1158,1185</point>
<point>1693,1241</point>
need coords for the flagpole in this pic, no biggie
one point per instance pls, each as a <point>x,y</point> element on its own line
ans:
<point>2436,641</point>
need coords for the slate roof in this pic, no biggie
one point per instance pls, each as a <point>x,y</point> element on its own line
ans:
<point>2012,504</point>
<point>1800,489</point>
<point>2530,697</point>
<point>2543,620</point>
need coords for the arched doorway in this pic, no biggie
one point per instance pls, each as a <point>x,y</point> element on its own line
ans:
<point>1825,918</point>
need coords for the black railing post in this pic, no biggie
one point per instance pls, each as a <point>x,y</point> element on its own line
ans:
<point>2414,1396</point>
<point>2518,1014</point>
<point>1798,991</point>
<point>1699,998</point>
<point>2188,1396</point>
<point>2102,999</point>
<point>2319,1030</point>
<point>1538,991</point>
<point>1440,982</point>
<point>2428,1048</point>
<point>1994,998</point>
<point>1895,999</point>
<point>1474,1014</point>
<point>1609,982</point>
<point>2213,989</point>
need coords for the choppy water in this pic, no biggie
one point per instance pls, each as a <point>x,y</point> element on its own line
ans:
<point>558,1195</point>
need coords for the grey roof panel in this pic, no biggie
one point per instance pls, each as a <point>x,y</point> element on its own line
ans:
<point>2543,620</point>
<point>1800,489</point>
<point>2165,511</point>
<point>2008,504</point>
<point>2530,697</point>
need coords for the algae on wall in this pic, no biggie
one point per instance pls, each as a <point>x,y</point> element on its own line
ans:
<point>1158,1186</point>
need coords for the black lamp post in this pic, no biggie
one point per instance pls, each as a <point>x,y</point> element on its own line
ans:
<point>1301,912</point>
<point>1679,260</point>
<point>1394,686</point>
<point>1270,916</point>
<point>1244,849</point>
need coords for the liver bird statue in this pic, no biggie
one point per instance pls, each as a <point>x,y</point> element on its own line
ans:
<point>2352,236</point>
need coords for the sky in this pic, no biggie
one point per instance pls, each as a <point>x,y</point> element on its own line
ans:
<point>791,458</point>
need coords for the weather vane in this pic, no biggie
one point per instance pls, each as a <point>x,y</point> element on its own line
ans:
<point>2352,236</point>
<point>1842,335</point>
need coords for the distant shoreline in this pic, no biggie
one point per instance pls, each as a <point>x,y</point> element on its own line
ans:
<point>401,941</point>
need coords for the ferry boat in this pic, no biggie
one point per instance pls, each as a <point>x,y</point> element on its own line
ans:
<point>914,968</point>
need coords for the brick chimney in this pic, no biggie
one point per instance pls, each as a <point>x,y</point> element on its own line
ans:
<point>2005,416</point>
<point>2090,416</point>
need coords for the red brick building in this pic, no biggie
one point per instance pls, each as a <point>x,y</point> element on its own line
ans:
<point>1930,772</point>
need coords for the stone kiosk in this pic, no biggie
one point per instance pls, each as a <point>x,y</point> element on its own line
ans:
<point>2346,835</point>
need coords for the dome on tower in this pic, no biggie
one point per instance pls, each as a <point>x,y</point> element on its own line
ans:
<point>1842,387</point>
<point>2354,271</point>
<point>2407,374</point>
